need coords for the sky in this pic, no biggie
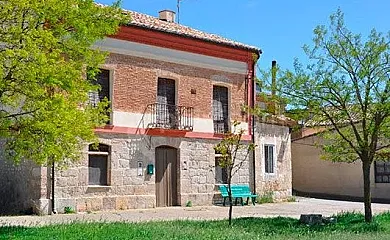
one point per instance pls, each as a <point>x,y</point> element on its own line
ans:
<point>279,28</point>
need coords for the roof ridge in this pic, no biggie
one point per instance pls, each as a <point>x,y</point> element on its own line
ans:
<point>154,23</point>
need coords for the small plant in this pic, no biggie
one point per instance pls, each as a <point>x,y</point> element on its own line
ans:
<point>291,199</point>
<point>189,204</point>
<point>69,210</point>
<point>267,197</point>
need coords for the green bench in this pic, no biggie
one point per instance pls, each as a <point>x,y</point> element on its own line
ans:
<point>238,192</point>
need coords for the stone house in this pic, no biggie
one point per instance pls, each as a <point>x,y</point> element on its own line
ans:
<point>315,177</point>
<point>174,91</point>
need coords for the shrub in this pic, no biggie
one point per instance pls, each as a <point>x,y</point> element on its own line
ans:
<point>68,210</point>
<point>267,197</point>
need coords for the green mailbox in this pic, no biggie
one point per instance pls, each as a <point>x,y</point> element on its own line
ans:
<point>150,169</point>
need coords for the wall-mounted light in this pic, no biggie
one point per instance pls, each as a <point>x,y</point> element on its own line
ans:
<point>140,168</point>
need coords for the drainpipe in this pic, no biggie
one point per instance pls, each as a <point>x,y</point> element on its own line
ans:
<point>253,97</point>
<point>53,210</point>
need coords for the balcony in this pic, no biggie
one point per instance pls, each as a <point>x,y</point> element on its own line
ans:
<point>167,116</point>
<point>221,118</point>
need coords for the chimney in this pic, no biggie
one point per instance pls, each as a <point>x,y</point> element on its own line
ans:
<point>273,87</point>
<point>273,70</point>
<point>167,15</point>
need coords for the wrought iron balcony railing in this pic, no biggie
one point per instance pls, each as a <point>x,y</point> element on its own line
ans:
<point>171,116</point>
<point>221,118</point>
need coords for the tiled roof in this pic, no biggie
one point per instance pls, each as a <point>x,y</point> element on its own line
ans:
<point>150,22</point>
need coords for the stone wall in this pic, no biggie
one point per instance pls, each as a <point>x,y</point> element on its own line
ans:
<point>127,190</point>
<point>20,188</point>
<point>278,183</point>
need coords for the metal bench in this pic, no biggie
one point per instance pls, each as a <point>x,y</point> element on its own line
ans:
<point>238,192</point>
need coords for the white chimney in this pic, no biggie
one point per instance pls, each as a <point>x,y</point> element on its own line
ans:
<point>167,15</point>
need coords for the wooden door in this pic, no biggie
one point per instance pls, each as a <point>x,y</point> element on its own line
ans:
<point>166,176</point>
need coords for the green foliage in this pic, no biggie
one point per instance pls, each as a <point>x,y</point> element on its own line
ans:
<point>267,197</point>
<point>45,48</point>
<point>291,199</point>
<point>347,226</point>
<point>273,104</point>
<point>189,204</point>
<point>68,210</point>
<point>345,87</point>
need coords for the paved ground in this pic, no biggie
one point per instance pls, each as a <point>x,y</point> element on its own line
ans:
<point>293,209</point>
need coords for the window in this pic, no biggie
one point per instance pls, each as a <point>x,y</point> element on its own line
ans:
<point>166,104</point>
<point>269,158</point>
<point>382,172</point>
<point>103,80</point>
<point>98,164</point>
<point>220,109</point>
<point>221,174</point>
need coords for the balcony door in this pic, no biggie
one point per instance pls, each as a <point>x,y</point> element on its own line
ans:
<point>220,109</point>
<point>166,104</point>
<point>103,80</point>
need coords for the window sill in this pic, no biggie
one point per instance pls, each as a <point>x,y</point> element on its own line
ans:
<point>270,174</point>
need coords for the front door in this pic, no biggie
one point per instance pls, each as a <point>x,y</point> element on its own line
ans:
<point>166,176</point>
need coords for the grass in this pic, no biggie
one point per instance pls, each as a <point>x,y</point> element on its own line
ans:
<point>267,197</point>
<point>348,226</point>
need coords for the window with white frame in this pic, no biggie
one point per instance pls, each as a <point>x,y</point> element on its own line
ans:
<point>98,164</point>
<point>269,158</point>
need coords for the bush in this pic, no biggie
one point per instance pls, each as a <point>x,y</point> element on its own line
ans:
<point>267,197</point>
<point>68,210</point>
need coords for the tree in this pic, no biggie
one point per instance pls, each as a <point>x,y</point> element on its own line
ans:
<point>234,153</point>
<point>45,51</point>
<point>345,86</point>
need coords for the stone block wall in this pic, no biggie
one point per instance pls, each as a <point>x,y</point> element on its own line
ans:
<point>20,188</point>
<point>127,190</point>
<point>280,182</point>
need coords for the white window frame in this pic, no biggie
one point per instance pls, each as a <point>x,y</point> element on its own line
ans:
<point>273,159</point>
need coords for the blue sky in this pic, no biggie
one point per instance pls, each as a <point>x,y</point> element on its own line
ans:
<point>279,28</point>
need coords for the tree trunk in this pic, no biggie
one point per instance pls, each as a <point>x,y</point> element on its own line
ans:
<point>367,190</point>
<point>230,203</point>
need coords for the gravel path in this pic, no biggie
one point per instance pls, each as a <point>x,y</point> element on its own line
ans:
<point>293,209</point>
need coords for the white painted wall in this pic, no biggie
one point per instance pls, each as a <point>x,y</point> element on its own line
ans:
<point>169,55</point>
<point>135,120</point>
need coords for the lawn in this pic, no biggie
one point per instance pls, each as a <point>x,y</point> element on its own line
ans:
<point>348,226</point>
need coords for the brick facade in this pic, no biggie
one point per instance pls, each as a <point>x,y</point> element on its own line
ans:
<point>135,85</point>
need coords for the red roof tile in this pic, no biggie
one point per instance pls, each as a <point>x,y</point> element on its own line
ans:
<point>153,23</point>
